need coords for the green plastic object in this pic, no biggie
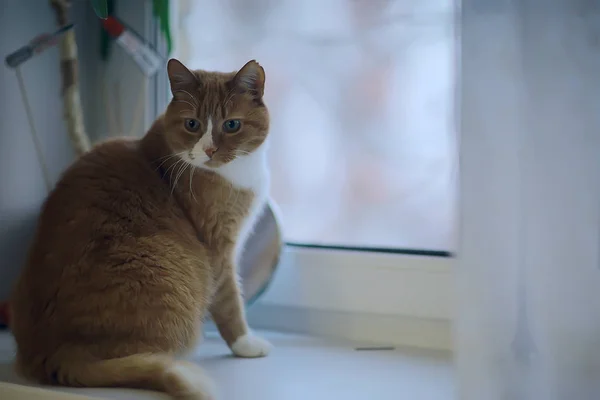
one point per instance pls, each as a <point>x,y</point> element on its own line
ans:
<point>160,9</point>
<point>100,8</point>
<point>105,39</point>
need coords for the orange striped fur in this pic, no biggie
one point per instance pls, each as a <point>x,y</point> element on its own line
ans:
<point>139,240</point>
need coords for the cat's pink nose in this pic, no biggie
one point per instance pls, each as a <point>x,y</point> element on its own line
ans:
<point>210,151</point>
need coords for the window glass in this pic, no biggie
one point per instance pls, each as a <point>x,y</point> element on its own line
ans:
<point>362,145</point>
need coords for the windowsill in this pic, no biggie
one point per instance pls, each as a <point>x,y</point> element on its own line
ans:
<point>300,367</point>
<point>404,300</point>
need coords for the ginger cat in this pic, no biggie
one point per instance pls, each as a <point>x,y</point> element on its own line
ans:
<point>140,239</point>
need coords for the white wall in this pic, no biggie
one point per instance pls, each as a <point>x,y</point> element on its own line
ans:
<point>22,188</point>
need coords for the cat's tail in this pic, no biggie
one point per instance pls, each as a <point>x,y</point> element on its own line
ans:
<point>180,379</point>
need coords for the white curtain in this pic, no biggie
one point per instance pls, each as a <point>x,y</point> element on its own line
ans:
<point>528,286</point>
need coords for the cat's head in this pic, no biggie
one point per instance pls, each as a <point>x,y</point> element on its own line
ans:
<point>216,117</point>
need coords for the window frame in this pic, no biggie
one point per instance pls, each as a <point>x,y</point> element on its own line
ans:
<point>397,297</point>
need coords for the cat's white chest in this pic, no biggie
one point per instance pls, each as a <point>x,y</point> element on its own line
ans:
<point>249,173</point>
<point>260,190</point>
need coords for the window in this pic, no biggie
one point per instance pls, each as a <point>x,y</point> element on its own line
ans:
<point>360,94</point>
<point>362,153</point>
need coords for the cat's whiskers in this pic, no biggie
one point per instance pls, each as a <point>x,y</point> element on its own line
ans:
<point>172,168</point>
<point>192,170</point>
<point>167,158</point>
<point>181,171</point>
<point>171,183</point>
<point>181,165</point>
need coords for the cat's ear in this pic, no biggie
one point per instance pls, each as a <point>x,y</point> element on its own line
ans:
<point>179,76</point>
<point>251,77</point>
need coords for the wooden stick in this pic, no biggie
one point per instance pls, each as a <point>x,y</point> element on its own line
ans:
<point>70,84</point>
<point>136,122</point>
<point>34,134</point>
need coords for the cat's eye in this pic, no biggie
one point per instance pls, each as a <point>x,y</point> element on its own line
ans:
<point>232,125</point>
<point>192,125</point>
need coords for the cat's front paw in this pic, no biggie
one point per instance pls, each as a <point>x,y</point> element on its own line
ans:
<point>250,346</point>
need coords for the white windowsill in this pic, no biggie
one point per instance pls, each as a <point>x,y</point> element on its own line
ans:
<point>299,368</point>
<point>377,297</point>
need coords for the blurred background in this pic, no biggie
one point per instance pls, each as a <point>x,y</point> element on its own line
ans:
<point>361,99</point>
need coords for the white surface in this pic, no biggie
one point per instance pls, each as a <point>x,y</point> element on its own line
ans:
<point>301,368</point>
<point>528,325</point>
<point>424,333</point>
<point>351,281</point>
<point>382,286</point>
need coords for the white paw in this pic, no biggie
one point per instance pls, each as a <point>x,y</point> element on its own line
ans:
<point>250,346</point>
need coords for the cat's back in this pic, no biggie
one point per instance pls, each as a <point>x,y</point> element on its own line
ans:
<point>110,197</point>
<point>115,169</point>
<point>111,248</point>
<point>113,182</point>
